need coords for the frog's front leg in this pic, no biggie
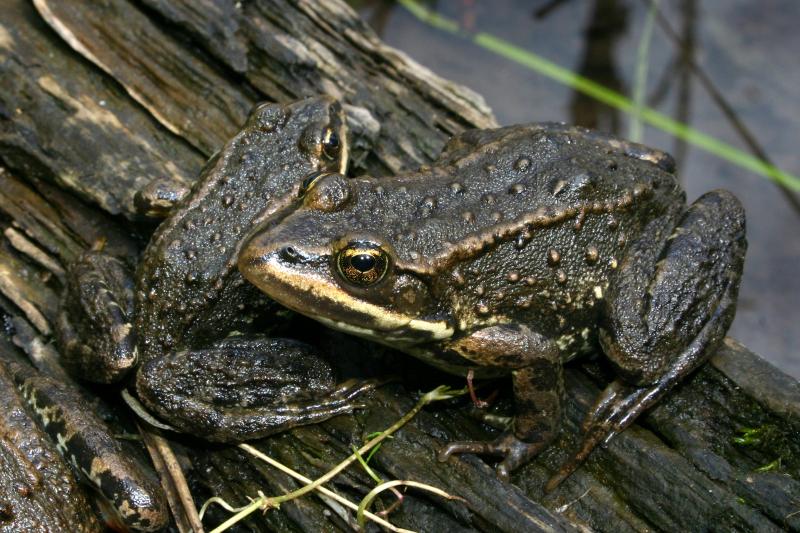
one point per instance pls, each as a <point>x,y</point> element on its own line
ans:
<point>159,197</point>
<point>244,388</point>
<point>538,390</point>
<point>94,326</point>
<point>667,313</point>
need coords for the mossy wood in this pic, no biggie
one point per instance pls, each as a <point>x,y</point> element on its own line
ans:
<point>99,98</point>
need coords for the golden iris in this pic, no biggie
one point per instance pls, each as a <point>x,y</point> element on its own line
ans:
<point>363,264</point>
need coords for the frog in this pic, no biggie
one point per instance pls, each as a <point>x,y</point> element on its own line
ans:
<point>517,250</point>
<point>182,333</point>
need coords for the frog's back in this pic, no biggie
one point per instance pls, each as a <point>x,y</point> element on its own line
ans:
<point>188,286</point>
<point>189,259</point>
<point>525,223</point>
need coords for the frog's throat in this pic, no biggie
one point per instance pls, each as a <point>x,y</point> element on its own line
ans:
<point>399,338</point>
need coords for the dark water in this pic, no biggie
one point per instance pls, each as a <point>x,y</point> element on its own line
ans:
<point>746,52</point>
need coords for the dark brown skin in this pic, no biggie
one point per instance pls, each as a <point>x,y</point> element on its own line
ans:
<point>188,293</point>
<point>87,444</point>
<point>289,383</point>
<point>188,290</point>
<point>37,488</point>
<point>517,250</point>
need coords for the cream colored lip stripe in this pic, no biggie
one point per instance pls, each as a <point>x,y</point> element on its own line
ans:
<point>386,320</point>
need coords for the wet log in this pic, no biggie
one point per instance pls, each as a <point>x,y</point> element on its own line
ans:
<point>99,98</point>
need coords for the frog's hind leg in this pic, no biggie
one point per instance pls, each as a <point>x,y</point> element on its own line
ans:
<point>667,315</point>
<point>94,325</point>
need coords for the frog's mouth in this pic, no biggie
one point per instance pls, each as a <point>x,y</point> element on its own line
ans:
<point>301,281</point>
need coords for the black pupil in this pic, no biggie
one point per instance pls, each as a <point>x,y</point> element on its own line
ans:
<point>333,140</point>
<point>363,262</point>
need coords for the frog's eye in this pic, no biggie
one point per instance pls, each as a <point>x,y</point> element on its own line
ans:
<point>363,263</point>
<point>331,144</point>
<point>311,180</point>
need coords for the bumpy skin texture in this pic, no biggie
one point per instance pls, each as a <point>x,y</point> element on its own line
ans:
<point>188,293</point>
<point>519,249</point>
<point>86,442</point>
<point>94,320</point>
<point>158,198</point>
<point>286,375</point>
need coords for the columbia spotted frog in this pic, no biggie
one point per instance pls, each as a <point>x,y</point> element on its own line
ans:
<point>517,250</point>
<point>172,323</point>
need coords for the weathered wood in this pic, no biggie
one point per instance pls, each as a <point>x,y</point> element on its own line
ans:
<point>62,120</point>
<point>159,87</point>
<point>67,123</point>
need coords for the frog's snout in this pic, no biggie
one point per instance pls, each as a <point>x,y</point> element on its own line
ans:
<point>294,276</point>
<point>254,259</point>
<point>258,264</point>
<point>273,266</point>
<point>290,254</point>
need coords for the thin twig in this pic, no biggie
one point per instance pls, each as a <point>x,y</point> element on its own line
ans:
<point>324,490</point>
<point>439,393</point>
<point>362,508</point>
<point>173,481</point>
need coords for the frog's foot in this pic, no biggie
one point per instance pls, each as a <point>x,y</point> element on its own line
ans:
<point>538,390</point>
<point>94,327</point>
<point>614,410</point>
<point>157,199</point>
<point>514,451</point>
<point>245,388</point>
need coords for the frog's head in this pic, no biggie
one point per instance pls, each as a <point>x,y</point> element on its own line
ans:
<point>316,126</point>
<point>332,260</point>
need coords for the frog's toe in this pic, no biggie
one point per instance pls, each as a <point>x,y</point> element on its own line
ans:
<point>602,405</point>
<point>341,400</point>
<point>351,388</point>
<point>614,410</point>
<point>618,406</point>
<point>596,434</point>
<point>515,452</point>
<point>469,446</point>
<point>518,452</point>
<point>626,406</point>
<point>157,198</point>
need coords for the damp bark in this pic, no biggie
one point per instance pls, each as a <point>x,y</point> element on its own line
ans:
<point>99,98</point>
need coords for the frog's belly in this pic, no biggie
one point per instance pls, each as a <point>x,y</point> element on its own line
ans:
<point>455,364</point>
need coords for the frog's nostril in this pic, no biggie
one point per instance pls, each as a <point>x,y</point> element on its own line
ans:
<point>290,254</point>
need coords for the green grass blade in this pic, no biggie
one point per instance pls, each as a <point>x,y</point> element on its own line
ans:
<point>635,132</point>
<point>607,96</point>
